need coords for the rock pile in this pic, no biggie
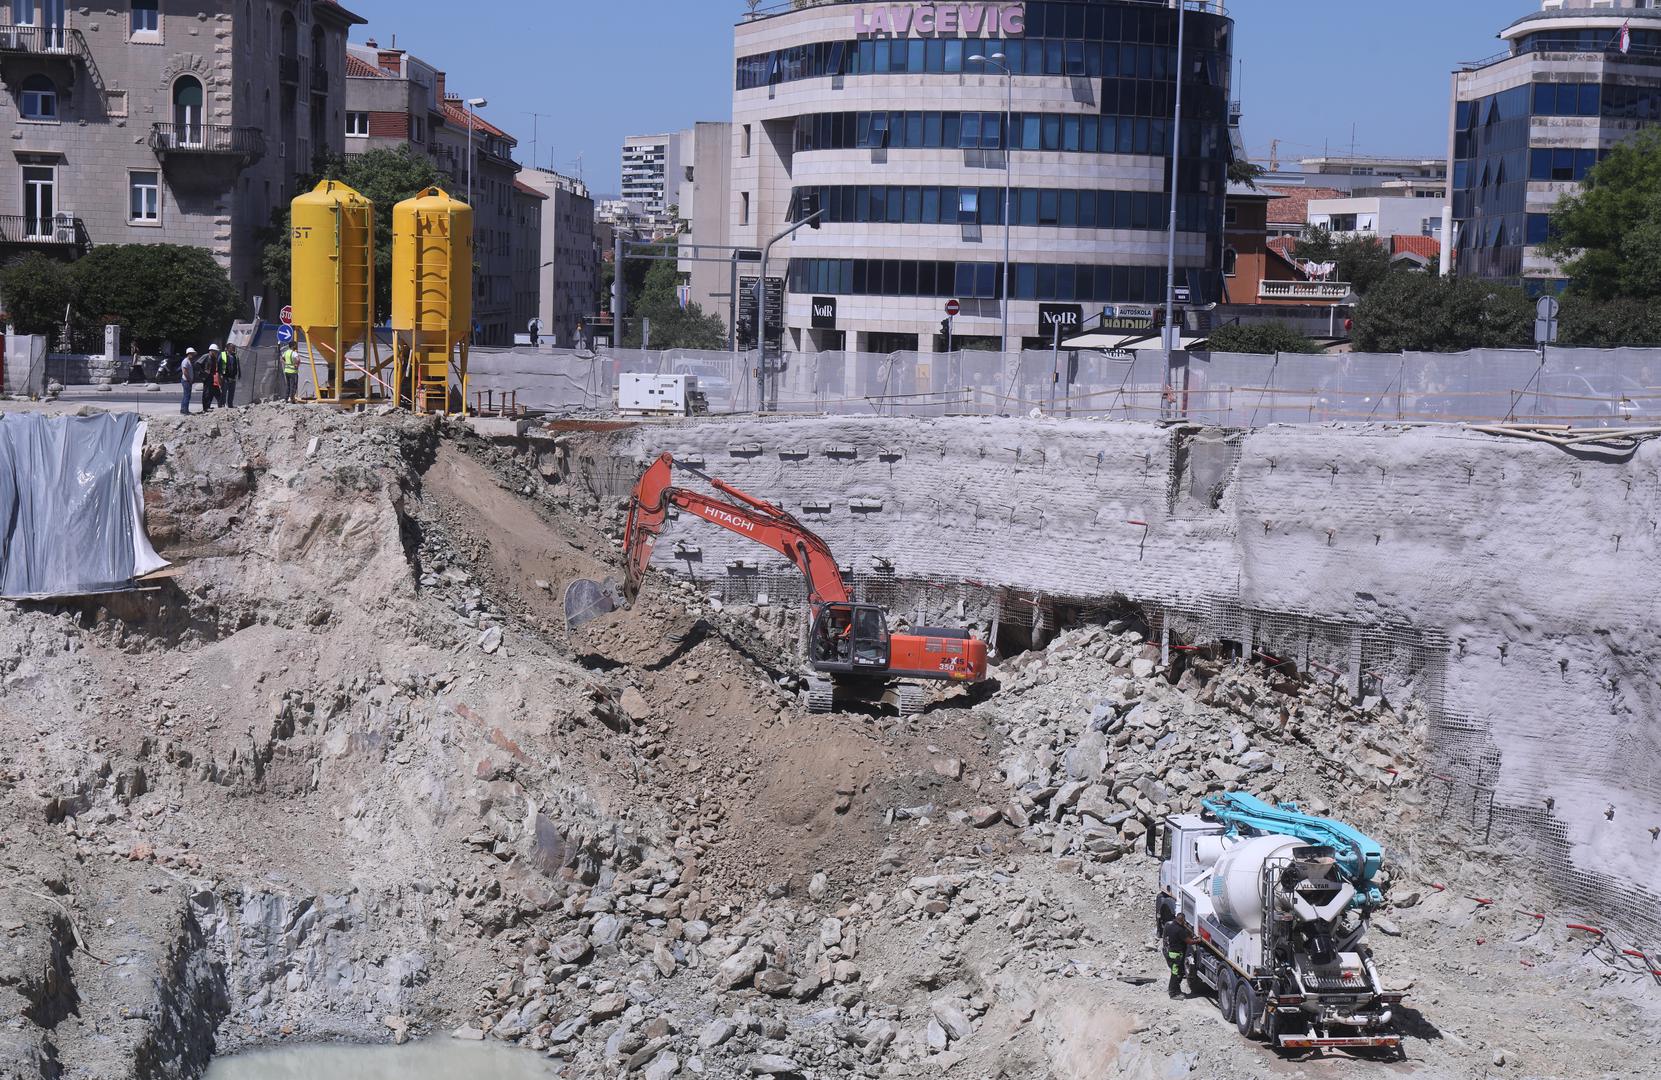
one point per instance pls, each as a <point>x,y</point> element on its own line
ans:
<point>1101,744</point>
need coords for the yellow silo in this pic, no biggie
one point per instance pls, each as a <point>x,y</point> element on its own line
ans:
<point>334,290</point>
<point>432,298</point>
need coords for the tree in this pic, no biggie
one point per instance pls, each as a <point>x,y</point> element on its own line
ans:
<point>1609,324</point>
<point>1263,337</point>
<point>384,177</point>
<point>1241,171</point>
<point>1607,237</point>
<point>35,291</point>
<point>157,292</point>
<point>1410,311</point>
<point>672,328</point>
<point>1362,261</point>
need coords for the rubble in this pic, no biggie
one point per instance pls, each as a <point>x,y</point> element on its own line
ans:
<point>367,773</point>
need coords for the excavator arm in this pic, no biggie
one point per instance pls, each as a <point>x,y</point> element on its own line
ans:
<point>756,519</point>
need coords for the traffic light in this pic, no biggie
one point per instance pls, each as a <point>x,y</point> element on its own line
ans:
<point>946,328</point>
<point>810,207</point>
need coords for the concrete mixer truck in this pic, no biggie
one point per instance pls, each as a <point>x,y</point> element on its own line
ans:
<point>1276,905</point>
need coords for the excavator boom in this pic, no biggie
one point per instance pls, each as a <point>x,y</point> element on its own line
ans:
<point>851,649</point>
<point>756,519</point>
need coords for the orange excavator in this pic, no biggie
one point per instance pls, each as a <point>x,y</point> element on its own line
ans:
<point>852,656</point>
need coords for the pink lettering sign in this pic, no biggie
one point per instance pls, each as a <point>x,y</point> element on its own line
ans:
<point>941,20</point>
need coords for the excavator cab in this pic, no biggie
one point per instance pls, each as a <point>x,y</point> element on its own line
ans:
<point>850,638</point>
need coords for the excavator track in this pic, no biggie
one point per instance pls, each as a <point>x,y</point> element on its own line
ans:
<point>821,695</point>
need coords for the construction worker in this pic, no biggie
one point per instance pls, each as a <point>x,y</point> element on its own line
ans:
<point>1174,940</point>
<point>230,370</point>
<point>291,372</point>
<point>187,380</point>
<point>208,368</point>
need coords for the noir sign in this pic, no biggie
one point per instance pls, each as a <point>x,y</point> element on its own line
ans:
<point>824,313</point>
<point>942,20</point>
<point>1066,316</point>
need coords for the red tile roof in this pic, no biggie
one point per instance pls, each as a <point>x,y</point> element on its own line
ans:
<point>1282,246</point>
<point>1291,205</point>
<point>357,68</point>
<point>456,113</point>
<point>1427,247</point>
<point>525,189</point>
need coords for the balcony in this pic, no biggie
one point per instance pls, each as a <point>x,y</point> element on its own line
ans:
<point>288,70</point>
<point>45,42</point>
<point>59,230</point>
<point>1304,292</point>
<point>207,140</point>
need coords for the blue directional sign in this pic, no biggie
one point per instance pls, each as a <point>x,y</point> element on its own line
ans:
<point>285,335</point>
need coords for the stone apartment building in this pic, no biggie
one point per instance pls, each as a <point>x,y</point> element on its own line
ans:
<point>164,121</point>
<point>394,98</point>
<point>569,269</point>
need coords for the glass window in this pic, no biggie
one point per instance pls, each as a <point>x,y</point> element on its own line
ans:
<point>144,196</point>
<point>896,205</point>
<point>936,55</point>
<point>1026,282</point>
<point>950,135</point>
<point>914,205</point>
<point>1539,228</point>
<point>970,134</point>
<point>1052,132</point>
<point>913,129</point>
<point>879,204</point>
<point>1069,209</point>
<point>931,205</point>
<point>1231,261</point>
<point>1588,99</point>
<point>1075,58</point>
<point>357,124</point>
<point>968,205</point>
<point>1070,134</point>
<point>915,54</point>
<point>1049,207</point>
<point>991,130</point>
<point>954,57</point>
<point>1031,138</point>
<point>931,129</point>
<point>39,100</point>
<point>986,280</point>
<point>146,16</point>
<point>964,279</point>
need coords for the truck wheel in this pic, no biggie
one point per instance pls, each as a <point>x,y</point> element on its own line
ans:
<point>1246,1007</point>
<point>1225,994</point>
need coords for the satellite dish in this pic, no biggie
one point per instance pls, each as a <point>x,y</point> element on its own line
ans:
<point>586,600</point>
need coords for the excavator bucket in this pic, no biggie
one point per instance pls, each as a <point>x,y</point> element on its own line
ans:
<point>586,600</point>
<point>647,513</point>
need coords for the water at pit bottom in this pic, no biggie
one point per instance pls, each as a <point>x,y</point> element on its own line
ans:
<point>440,1059</point>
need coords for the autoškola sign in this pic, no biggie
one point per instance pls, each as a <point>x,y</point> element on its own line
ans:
<point>942,20</point>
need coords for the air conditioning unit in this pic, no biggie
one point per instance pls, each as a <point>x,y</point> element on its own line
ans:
<point>63,228</point>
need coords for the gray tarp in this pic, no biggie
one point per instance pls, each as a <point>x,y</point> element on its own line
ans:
<point>71,505</point>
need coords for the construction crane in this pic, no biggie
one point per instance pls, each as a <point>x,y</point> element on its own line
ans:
<point>852,655</point>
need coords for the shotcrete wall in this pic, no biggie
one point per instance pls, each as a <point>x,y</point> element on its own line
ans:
<point>1508,584</point>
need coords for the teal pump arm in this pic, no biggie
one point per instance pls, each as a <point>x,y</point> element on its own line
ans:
<point>1359,856</point>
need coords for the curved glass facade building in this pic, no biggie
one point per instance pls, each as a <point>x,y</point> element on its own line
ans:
<point>1527,125</point>
<point>880,115</point>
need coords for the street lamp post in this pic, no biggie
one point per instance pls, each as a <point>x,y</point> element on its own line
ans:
<point>997,60</point>
<point>1173,335</point>
<point>473,105</point>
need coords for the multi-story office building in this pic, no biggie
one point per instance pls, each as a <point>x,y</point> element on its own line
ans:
<point>526,245</point>
<point>883,115</point>
<point>652,168</point>
<point>705,202</point>
<point>176,122</point>
<point>1577,78</point>
<point>395,98</point>
<point>569,271</point>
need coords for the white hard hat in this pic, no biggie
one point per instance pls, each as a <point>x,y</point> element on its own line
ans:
<point>214,346</point>
<point>190,352</point>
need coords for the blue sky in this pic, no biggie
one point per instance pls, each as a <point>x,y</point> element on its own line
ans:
<point>598,70</point>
